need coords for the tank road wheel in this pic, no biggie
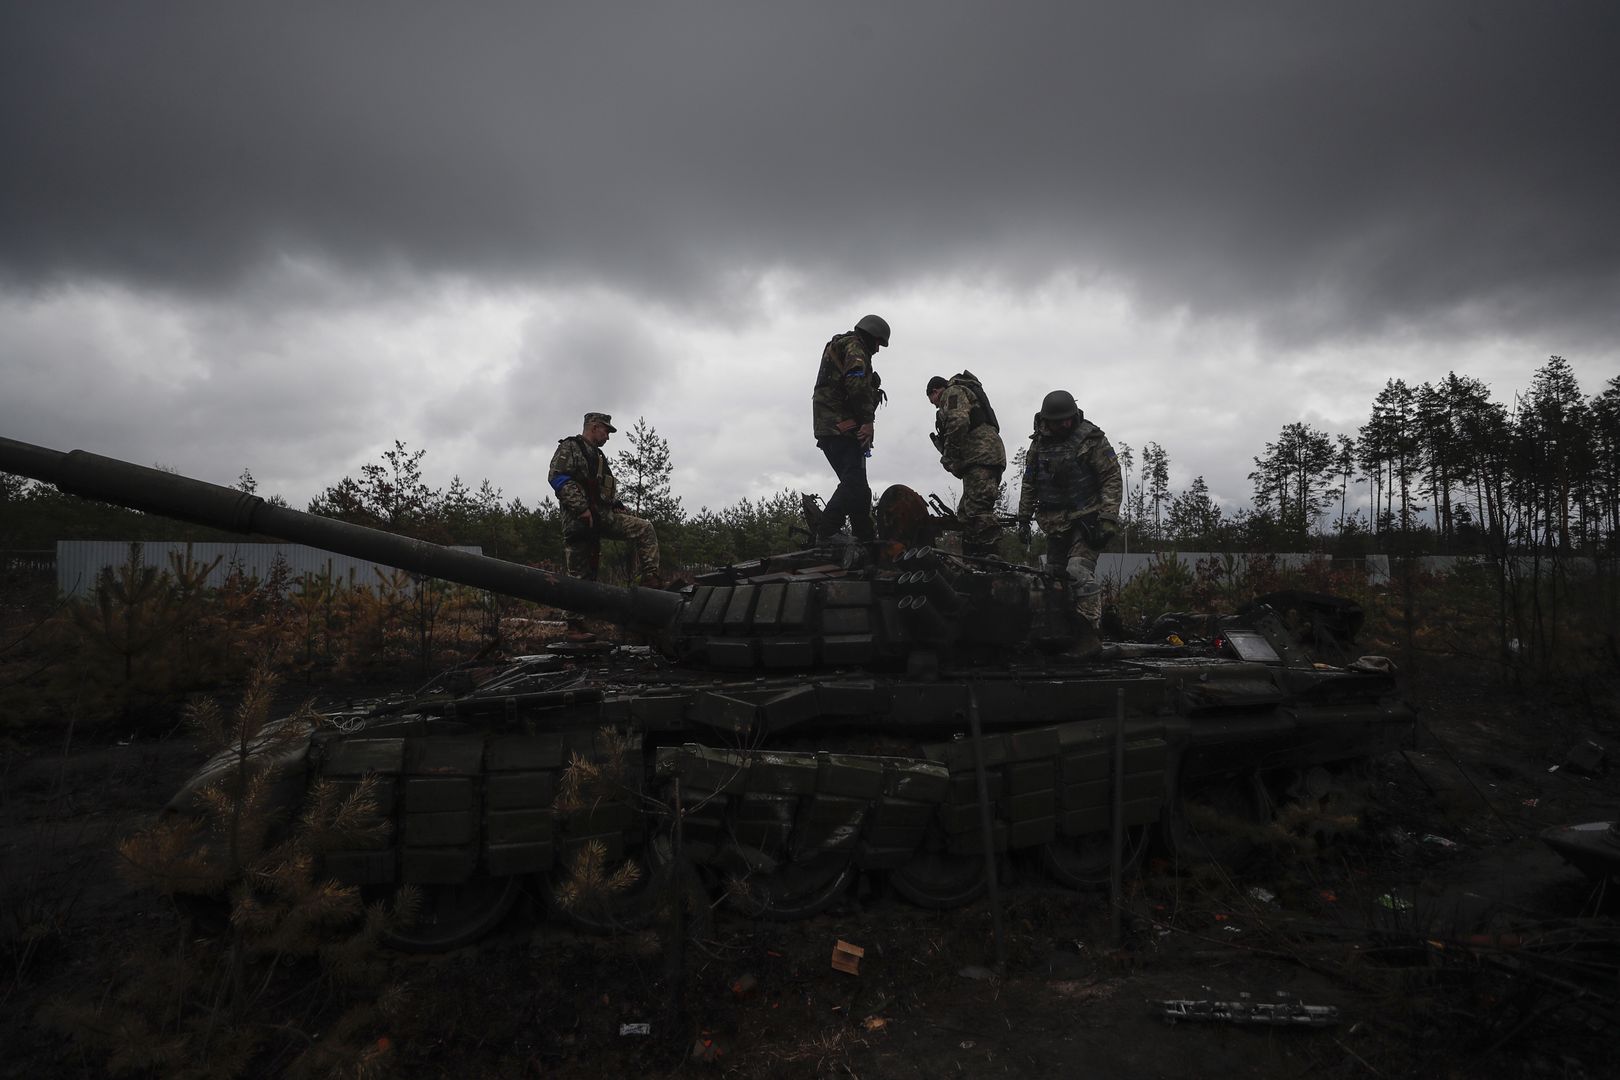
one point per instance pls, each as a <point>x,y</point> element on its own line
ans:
<point>938,879</point>
<point>1216,820</point>
<point>450,916</point>
<point>792,890</point>
<point>1082,862</point>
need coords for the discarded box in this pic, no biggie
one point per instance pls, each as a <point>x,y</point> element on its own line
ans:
<point>847,957</point>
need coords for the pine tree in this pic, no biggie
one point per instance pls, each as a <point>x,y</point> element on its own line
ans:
<point>1391,451</point>
<point>1344,462</point>
<point>643,472</point>
<point>390,494</point>
<point>1605,415</point>
<point>1127,461</point>
<point>1156,478</point>
<point>1294,476</point>
<point>206,1008</point>
<point>1195,518</point>
<point>1555,423</point>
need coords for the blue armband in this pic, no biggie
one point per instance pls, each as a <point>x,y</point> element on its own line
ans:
<point>559,480</point>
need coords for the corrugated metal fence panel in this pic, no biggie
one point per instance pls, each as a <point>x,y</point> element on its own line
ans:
<point>80,562</point>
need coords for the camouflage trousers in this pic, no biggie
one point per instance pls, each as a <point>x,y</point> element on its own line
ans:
<point>582,547</point>
<point>981,487</point>
<point>1067,546</point>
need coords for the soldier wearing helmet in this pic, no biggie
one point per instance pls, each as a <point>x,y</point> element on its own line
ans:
<point>968,438</point>
<point>1072,488</point>
<point>844,403</point>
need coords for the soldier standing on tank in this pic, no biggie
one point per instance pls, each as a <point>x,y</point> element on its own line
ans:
<point>585,488</point>
<point>844,403</point>
<point>968,439</point>
<point>1072,488</point>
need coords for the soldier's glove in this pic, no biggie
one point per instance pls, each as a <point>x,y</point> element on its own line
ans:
<point>1107,529</point>
<point>1099,528</point>
<point>1025,535</point>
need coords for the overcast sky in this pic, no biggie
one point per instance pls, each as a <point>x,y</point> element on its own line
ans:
<point>282,235</point>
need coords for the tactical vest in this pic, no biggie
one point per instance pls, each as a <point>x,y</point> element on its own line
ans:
<point>592,483</point>
<point>981,412</point>
<point>1064,479</point>
<point>828,374</point>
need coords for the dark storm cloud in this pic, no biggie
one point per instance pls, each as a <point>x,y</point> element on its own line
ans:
<point>1331,167</point>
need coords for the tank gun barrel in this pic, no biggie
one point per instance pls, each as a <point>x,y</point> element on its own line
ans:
<point>123,483</point>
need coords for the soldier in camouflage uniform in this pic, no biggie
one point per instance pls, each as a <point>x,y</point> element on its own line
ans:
<point>1072,487</point>
<point>968,439</point>
<point>844,403</point>
<point>585,488</point>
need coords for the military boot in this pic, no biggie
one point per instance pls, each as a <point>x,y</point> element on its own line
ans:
<point>1087,642</point>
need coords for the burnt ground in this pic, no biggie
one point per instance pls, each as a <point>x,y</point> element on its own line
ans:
<point>1452,942</point>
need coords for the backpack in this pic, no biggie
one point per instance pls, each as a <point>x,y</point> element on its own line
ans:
<point>982,412</point>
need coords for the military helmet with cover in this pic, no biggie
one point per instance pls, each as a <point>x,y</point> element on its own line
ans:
<point>874,327</point>
<point>1059,405</point>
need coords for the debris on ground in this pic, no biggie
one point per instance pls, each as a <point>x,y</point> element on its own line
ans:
<point>1281,1013</point>
<point>1586,757</point>
<point>847,957</point>
<point>706,1050</point>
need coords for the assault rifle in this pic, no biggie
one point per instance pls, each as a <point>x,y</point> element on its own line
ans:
<point>948,515</point>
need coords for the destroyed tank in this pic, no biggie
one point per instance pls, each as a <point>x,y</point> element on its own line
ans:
<point>887,709</point>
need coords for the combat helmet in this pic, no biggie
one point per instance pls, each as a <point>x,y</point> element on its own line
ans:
<point>1059,405</point>
<point>874,327</point>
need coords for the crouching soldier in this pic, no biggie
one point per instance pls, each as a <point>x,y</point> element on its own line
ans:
<point>585,489</point>
<point>968,439</point>
<point>1072,488</point>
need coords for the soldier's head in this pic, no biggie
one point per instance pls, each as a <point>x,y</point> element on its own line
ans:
<point>1058,411</point>
<point>874,332</point>
<point>598,426</point>
<point>936,387</point>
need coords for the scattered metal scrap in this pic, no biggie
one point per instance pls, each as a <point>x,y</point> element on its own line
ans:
<point>1278,1013</point>
<point>1593,847</point>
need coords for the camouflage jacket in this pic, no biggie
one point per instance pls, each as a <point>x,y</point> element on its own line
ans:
<point>964,434</point>
<point>580,477</point>
<point>1070,475</point>
<point>846,386</point>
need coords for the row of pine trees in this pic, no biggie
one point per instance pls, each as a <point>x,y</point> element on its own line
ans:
<point>1440,467</point>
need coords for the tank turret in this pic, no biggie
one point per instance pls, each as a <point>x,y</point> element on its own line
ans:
<point>881,605</point>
